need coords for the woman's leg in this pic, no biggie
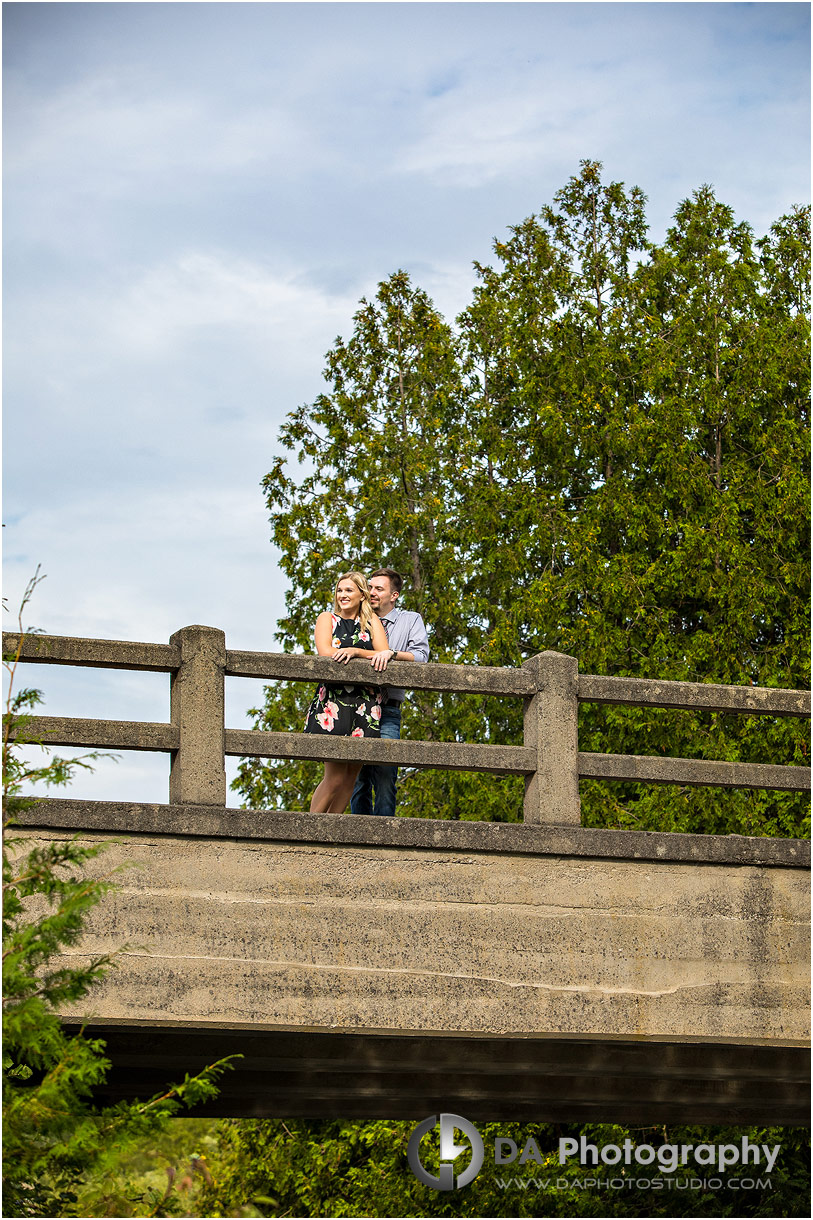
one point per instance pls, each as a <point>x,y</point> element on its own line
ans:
<point>334,792</point>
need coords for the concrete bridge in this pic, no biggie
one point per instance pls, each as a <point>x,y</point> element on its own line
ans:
<point>372,967</point>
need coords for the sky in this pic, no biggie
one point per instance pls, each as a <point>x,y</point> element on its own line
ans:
<point>196,197</point>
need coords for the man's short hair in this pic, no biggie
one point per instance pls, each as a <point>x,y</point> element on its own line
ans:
<point>392,576</point>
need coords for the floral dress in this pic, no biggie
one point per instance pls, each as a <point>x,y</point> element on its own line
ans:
<point>346,711</point>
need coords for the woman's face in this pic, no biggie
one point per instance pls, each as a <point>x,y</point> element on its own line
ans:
<point>348,596</point>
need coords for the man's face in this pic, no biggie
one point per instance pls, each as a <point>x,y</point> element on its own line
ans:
<point>382,595</point>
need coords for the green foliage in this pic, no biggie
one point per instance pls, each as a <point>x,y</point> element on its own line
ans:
<point>336,1168</point>
<point>53,1133</point>
<point>607,457</point>
<point>166,1173</point>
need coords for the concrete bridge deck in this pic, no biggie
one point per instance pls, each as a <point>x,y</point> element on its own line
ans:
<point>373,967</point>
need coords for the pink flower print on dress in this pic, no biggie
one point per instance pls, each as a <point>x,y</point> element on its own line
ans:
<point>361,710</point>
<point>365,635</point>
<point>375,712</point>
<point>332,709</point>
<point>357,733</point>
<point>336,642</point>
<point>322,694</point>
<point>326,721</point>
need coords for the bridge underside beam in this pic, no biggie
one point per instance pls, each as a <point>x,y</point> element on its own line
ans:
<point>320,1074</point>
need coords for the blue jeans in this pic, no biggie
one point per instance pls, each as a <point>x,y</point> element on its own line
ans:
<point>382,779</point>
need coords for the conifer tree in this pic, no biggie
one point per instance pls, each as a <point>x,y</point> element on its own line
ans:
<point>608,458</point>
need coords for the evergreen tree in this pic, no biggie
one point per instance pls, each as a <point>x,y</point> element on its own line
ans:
<point>609,460</point>
<point>714,544</point>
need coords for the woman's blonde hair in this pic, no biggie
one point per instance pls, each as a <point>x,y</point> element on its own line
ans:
<point>365,609</point>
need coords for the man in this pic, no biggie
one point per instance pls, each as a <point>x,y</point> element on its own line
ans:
<point>408,641</point>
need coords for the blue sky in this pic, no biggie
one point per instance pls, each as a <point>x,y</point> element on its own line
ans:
<point>197,195</point>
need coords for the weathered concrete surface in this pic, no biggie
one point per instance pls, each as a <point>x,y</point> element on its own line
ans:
<point>197,702</point>
<point>658,769</point>
<point>409,940</point>
<point>106,734</point>
<point>551,730</point>
<point>465,679</point>
<point>101,654</point>
<point>654,692</point>
<point>450,755</point>
<point>205,821</point>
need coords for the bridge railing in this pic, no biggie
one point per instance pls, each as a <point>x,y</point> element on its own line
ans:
<point>550,685</point>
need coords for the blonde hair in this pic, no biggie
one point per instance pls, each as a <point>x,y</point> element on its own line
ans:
<point>365,609</point>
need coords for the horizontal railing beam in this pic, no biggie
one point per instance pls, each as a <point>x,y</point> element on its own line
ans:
<point>95,654</point>
<point>550,749</point>
<point>463,679</point>
<point>693,696</point>
<point>652,769</point>
<point>449,755</point>
<point>102,734</point>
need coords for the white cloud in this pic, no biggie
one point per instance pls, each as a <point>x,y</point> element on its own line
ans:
<point>475,141</point>
<point>109,132</point>
<point>275,313</point>
<point>279,319</point>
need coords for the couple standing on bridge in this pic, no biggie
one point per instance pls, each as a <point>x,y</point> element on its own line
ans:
<point>365,622</point>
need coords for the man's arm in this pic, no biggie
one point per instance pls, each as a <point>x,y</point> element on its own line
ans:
<point>417,648</point>
<point>418,642</point>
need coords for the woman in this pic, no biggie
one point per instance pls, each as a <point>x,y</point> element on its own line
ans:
<point>351,630</point>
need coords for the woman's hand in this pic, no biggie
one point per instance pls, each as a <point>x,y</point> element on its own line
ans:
<point>344,654</point>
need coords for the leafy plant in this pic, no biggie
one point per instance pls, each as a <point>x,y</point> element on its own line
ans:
<point>336,1168</point>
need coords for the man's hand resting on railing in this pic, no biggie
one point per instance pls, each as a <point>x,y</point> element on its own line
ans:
<point>379,660</point>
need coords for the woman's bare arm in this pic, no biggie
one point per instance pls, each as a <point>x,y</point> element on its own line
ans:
<point>323,635</point>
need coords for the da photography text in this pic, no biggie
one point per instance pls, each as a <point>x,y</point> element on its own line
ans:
<point>666,1158</point>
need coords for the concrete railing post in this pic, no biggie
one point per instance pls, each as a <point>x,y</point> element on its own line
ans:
<point>552,730</point>
<point>197,705</point>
